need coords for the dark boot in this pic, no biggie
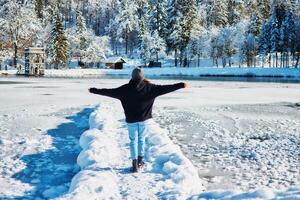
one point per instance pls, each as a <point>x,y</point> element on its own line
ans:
<point>140,161</point>
<point>134,166</point>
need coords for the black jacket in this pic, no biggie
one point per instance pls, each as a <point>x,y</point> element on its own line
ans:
<point>137,97</point>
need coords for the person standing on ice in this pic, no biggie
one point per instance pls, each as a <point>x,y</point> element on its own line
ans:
<point>137,98</point>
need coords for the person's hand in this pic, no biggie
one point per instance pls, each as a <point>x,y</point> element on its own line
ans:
<point>185,85</point>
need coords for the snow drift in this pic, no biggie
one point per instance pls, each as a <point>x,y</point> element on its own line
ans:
<point>99,179</point>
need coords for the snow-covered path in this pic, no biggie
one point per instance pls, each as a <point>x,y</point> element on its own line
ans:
<point>105,155</point>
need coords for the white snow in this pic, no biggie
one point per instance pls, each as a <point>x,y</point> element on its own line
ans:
<point>41,120</point>
<point>104,168</point>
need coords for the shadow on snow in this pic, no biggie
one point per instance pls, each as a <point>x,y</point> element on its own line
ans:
<point>50,172</point>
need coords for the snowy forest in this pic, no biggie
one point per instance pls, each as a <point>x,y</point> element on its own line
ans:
<point>250,33</point>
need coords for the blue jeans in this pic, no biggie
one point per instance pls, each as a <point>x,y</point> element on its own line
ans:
<point>137,138</point>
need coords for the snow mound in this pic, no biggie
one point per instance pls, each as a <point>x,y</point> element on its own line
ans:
<point>93,184</point>
<point>101,156</point>
<point>168,159</point>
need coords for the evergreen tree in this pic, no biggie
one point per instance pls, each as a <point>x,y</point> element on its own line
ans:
<point>189,13</point>
<point>255,25</point>
<point>296,50</point>
<point>265,41</point>
<point>249,49</point>
<point>39,5</point>
<point>217,13</point>
<point>275,35</point>
<point>214,45</point>
<point>58,43</point>
<point>127,19</point>
<point>287,37</point>
<point>226,38</point>
<point>81,35</point>
<point>199,43</point>
<point>251,6</point>
<point>152,46</point>
<point>264,9</point>
<point>235,9</point>
<point>182,17</point>
<point>174,27</point>
<point>158,17</point>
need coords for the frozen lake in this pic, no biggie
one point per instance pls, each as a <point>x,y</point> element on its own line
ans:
<point>240,135</point>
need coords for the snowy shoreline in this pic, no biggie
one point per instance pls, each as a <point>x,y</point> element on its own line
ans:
<point>173,72</point>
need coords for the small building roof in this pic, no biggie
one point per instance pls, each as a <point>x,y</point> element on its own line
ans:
<point>34,50</point>
<point>114,60</point>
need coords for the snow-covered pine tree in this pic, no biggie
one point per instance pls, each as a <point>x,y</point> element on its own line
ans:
<point>127,20</point>
<point>264,9</point>
<point>235,11</point>
<point>253,28</point>
<point>217,13</point>
<point>182,15</point>
<point>198,45</point>
<point>58,43</point>
<point>249,49</point>
<point>250,7</point>
<point>152,46</point>
<point>275,35</point>
<point>112,31</point>
<point>143,31</point>
<point>265,42</point>
<point>226,43</point>
<point>214,50</point>
<point>189,13</point>
<point>158,46</point>
<point>255,25</point>
<point>287,37</point>
<point>296,50</point>
<point>144,47</point>
<point>82,35</point>
<point>157,12</point>
<point>174,27</point>
<point>39,6</point>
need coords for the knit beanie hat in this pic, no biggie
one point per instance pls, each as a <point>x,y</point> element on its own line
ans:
<point>137,74</point>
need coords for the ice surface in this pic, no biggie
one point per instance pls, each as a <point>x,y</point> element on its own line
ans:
<point>244,146</point>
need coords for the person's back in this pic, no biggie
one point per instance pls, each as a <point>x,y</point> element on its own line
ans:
<point>137,98</point>
<point>137,101</point>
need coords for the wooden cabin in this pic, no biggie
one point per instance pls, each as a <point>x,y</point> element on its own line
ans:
<point>34,61</point>
<point>114,63</point>
<point>154,64</point>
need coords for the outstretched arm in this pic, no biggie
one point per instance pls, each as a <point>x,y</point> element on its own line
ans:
<point>164,89</point>
<point>114,93</point>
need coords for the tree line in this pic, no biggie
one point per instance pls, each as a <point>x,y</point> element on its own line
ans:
<point>254,33</point>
